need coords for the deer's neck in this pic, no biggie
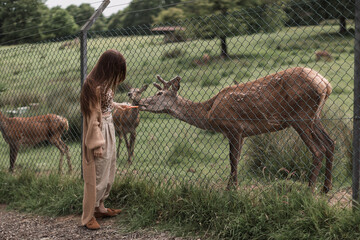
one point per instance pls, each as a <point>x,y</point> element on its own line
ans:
<point>194,113</point>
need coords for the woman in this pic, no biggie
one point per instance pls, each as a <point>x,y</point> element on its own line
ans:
<point>99,152</point>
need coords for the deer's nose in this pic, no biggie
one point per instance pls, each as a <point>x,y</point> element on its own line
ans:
<point>129,94</point>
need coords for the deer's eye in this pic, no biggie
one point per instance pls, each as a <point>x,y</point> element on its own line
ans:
<point>159,93</point>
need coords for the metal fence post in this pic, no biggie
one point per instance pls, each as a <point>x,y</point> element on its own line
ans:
<point>83,54</point>
<point>356,133</point>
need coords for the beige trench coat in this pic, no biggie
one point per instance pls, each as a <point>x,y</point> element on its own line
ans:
<point>92,139</point>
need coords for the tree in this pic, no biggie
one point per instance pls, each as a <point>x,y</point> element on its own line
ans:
<point>59,23</point>
<point>336,9</point>
<point>304,12</point>
<point>80,13</point>
<point>141,12</point>
<point>115,20</point>
<point>169,15</point>
<point>224,18</point>
<point>83,12</point>
<point>21,20</point>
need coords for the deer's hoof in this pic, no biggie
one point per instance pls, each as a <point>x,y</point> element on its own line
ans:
<point>326,189</point>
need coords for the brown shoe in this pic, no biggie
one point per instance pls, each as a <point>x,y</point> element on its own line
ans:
<point>92,224</point>
<point>109,213</point>
<point>116,211</point>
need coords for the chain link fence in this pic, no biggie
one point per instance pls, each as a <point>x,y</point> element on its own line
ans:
<point>208,53</point>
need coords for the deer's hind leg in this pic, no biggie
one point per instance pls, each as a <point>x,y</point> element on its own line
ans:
<point>118,147</point>
<point>67,152</point>
<point>308,135</point>
<point>329,145</point>
<point>132,146</point>
<point>127,147</point>
<point>236,143</point>
<point>14,149</point>
<point>56,141</point>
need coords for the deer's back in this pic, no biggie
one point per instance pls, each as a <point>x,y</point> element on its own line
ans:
<point>272,102</point>
<point>32,130</point>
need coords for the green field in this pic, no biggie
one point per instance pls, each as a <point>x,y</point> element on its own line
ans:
<point>167,150</point>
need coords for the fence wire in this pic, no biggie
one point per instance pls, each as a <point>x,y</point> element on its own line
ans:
<point>190,129</point>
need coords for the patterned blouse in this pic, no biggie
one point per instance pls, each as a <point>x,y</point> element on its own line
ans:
<point>107,101</point>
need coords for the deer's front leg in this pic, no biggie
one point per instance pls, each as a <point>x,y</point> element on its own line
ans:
<point>14,148</point>
<point>127,147</point>
<point>235,142</point>
<point>132,146</point>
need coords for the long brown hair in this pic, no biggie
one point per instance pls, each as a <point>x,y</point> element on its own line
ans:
<point>109,72</point>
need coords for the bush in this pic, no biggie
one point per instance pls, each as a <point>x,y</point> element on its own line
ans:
<point>65,102</point>
<point>174,53</point>
<point>283,154</point>
<point>19,99</point>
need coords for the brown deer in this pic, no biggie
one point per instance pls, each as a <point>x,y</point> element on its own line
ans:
<point>203,61</point>
<point>70,43</point>
<point>18,131</point>
<point>290,98</point>
<point>126,122</point>
<point>326,56</point>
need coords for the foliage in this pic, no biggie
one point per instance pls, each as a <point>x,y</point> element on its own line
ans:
<point>40,71</point>
<point>115,21</point>
<point>80,13</point>
<point>60,20</point>
<point>169,15</point>
<point>134,14</point>
<point>48,195</point>
<point>21,21</point>
<point>31,21</point>
<point>282,211</point>
<point>284,154</point>
<point>2,88</point>
<point>306,12</point>
<point>83,13</point>
<point>223,19</point>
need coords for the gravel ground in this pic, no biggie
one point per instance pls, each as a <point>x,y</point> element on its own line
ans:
<point>15,225</point>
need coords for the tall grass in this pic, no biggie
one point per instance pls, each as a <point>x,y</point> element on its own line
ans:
<point>167,149</point>
<point>284,211</point>
<point>283,154</point>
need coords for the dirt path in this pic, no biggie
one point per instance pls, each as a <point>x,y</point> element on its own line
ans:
<point>15,225</point>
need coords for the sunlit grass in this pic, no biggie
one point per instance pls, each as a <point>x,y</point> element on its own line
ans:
<point>166,149</point>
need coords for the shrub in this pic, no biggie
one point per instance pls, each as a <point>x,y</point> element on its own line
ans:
<point>173,53</point>
<point>283,154</point>
<point>65,102</point>
<point>19,99</point>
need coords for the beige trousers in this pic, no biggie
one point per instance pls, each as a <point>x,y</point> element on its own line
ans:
<point>105,166</point>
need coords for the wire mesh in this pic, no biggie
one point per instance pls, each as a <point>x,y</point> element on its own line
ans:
<point>189,134</point>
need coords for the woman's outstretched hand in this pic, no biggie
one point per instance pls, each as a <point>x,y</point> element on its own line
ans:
<point>124,106</point>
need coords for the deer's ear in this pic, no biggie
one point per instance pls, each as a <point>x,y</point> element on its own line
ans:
<point>175,83</point>
<point>157,86</point>
<point>143,88</point>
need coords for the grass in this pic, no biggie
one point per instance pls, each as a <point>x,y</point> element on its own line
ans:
<point>283,211</point>
<point>282,154</point>
<point>167,150</point>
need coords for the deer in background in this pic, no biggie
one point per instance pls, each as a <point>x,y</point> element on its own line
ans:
<point>290,98</point>
<point>18,131</point>
<point>126,122</point>
<point>326,56</point>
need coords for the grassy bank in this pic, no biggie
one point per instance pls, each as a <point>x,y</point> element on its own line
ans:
<point>45,74</point>
<point>283,211</point>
